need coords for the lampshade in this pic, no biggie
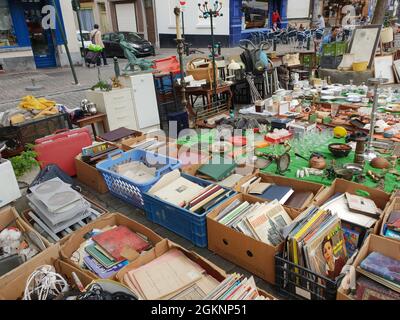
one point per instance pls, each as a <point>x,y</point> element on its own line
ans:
<point>234,65</point>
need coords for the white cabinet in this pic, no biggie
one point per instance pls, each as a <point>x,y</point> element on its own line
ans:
<point>118,106</point>
<point>144,100</point>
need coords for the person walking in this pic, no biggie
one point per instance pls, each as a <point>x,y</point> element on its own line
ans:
<point>96,38</point>
<point>321,22</point>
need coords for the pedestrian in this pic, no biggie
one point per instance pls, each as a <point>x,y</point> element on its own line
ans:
<point>321,22</point>
<point>276,18</point>
<point>96,38</point>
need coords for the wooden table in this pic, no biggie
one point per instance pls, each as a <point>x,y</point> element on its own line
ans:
<point>91,120</point>
<point>192,94</point>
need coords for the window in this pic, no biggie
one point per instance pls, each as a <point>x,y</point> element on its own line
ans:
<point>7,33</point>
<point>255,13</point>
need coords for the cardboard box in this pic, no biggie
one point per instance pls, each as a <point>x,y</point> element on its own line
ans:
<point>9,217</point>
<point>74,241</point>
<point>166,245</point>
<point>170,149</point>
<point>381,198</point>
<point>31,222</point>
<point>385,246</point>
<point>251,254</point>
<point>296,185</point>
<point>12,287</point>
<point>394,205</point>
<point>90,176</point>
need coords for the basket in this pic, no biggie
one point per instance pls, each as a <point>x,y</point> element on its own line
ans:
<point>201,72</point>
<point>183,222</point>
<point>302,283</point>
<point>334,49</point>
<point>360,66</point>
<point>127,189</point>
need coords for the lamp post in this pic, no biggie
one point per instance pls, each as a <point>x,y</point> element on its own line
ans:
<point>212,11</point>
<point>76,6</point>
<point>181,49</point>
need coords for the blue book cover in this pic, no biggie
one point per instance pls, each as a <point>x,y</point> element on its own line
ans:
<point>280,193</point>
<point>383,266</point>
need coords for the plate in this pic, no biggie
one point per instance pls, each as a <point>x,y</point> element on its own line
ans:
<point>328,97</point>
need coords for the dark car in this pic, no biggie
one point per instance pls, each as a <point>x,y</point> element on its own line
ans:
<point>113,49</point>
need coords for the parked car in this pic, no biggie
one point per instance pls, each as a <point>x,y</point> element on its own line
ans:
<point>86,39</point>
<point>113,49</point>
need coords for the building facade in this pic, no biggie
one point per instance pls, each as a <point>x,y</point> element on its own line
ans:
<point>240,18</point>
<point>26,43</point>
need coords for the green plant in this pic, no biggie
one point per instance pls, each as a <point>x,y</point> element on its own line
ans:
<point>24,162</point>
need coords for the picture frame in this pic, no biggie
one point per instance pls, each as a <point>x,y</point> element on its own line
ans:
<point>383,66</point>
<point>364,42</point>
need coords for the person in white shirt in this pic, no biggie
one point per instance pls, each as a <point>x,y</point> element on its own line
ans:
<point>321,21</point>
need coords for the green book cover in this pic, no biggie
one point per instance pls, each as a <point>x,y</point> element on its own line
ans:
<point>218,168</point>
<point>100,257</point>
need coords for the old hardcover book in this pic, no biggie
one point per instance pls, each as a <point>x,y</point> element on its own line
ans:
<point>299,199</point>
<point>368,289</point>
<point>382,266</point>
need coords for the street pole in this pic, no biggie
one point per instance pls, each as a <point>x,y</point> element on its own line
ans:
<point>80,32</point>
<point>65,42</point>
<point>183,24</point>
<point>213,59</point>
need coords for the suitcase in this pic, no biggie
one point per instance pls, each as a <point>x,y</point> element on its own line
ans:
<point>62,148</point>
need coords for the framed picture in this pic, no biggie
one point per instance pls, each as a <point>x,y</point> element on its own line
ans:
<point>396,69</point>
<point>364,43</point>
<point>384,68</point>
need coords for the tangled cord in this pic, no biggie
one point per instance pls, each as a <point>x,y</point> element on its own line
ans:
<point>44,283</point>
<point>96,292</point>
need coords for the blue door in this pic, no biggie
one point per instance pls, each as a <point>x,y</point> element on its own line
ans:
<point>42,41</point>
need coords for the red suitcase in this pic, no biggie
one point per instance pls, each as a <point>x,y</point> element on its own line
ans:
<point>62,148</point>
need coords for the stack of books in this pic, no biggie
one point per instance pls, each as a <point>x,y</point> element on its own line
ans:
<point>392,225</point>
<point>315,241</point>
<point>380,278</point>
<point>261,221</point>
<point>184,193</point>
<point>236,287</point>
<point>57,207</point>
<point>109,250</point>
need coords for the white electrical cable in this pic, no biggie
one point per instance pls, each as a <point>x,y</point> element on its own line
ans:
<point>44,281</point>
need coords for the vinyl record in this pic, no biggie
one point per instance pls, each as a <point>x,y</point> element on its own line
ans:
<point>61,198</point>
<point>48,187</point>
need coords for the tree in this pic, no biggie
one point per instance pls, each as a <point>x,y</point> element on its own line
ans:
<point>379,13</point>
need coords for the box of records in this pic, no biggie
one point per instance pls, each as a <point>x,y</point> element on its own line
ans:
<point>375,273</point>
<point>107,245</point>
<point>247,231</point>
<point>294,195</point>
<point>28,283</point>
<point>170,272</point>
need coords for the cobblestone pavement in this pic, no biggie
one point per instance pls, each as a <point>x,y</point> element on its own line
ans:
<point>58,83</point>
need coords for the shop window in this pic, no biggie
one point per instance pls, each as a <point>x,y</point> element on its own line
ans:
<point>255,13</point>
<point>7,33</point>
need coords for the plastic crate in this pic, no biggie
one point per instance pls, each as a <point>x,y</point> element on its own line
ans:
<point>330,62</point>
<point>127,189</point>
<point>334,49</point>
<point>302,283</point>
<point>187,224</point>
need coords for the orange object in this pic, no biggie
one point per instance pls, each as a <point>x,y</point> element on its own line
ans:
<point>261,144</point>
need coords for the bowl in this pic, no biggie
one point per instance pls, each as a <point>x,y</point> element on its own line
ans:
<point>354,167</point>
<point>339,150</point>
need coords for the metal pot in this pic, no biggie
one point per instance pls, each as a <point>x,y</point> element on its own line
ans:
<point>91,108</point>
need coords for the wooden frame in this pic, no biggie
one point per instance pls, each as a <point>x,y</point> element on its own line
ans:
<point>396,70</point>
<point>383,66</point>
<point>367,32</point>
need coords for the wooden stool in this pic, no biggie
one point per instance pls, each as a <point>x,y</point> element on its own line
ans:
<point>91,120</point>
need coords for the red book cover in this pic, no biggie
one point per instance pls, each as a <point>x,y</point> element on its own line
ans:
<point>204,195</point>
<point>114,241</point>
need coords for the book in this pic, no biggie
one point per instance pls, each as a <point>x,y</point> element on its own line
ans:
<point>362,205</point>
<point>382,266</point>
<point>280,193</point>
<point>218,168</point>
<point>258,187</point>
<point>119,240</point>
<point>231,181</point>
<point>299,198</point>
<point>368,289</point>
<point>99,269</point>
<point>100,257</point>
<point>207,200</point>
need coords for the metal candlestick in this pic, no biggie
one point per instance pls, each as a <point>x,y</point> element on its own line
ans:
<point>375,82</point>
<point>212,12</point>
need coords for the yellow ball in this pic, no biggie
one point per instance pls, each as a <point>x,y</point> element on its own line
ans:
<point>339,132</point>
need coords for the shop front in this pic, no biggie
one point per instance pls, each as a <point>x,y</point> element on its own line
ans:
<point>26,42</point>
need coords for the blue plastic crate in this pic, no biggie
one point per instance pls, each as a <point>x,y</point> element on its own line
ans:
<point>187,224</point>
<point>126,189</point>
